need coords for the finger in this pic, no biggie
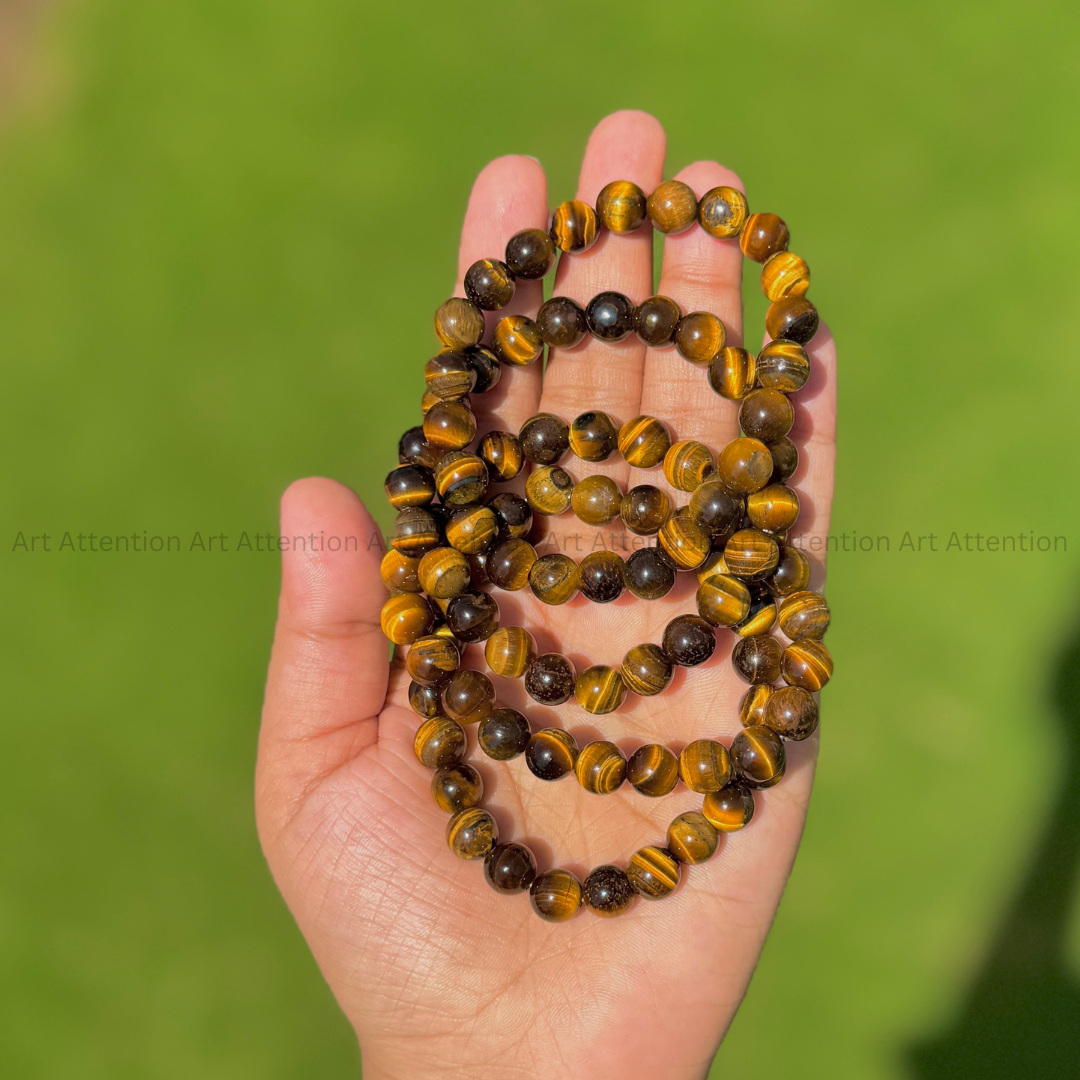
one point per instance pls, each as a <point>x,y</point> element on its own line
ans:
<point>509,195</point>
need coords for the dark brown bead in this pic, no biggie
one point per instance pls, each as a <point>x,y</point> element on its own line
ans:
<point>794,319</point>
<point>472,833</point>
<point>431,660</point>
<point>406,617</point>
<point>485,365</point>
<point>509,562</point>
<point>792,712</point>
<point>450,424</point>
<point>753,704</point>
<point>804,615</point>
<point>757,659</point>
<point>655,320</point>
<point>509,650</point>
<point>644,441</point>
<point>763,235</point>
<point>516,340</point>
<point>415,532</point>
<point>457,787</point>
<point>449,376</point>
<point>644,509</point>
<point>729,809</point>
<point>646,670</point>
<point>761,617</point>
<point>462,479</point>
<point>551,753</point>
<point>596,500</point>
<point>472,529</point>
<point>649,574</point>
<point>745,465</point>
<point>443,573</point>
<point>561,322</point>
<point>600,767</point>
<point>554,578</point>
<point>501,452</point>
<point>691,838</point>
<point>602,576</point>
<point>610,316</point>
<point>545,438</point>
<point>620,206</point>
<point>424,701</point>
<point>440,742</point>
<point>751,554</point>
<point>400,573</point>
<point>504,734</point>
<point>510,868</point>
<point>468,696</point>
<point>773,509</point>
<point>653,770</point>
<point>653,872</point>
<point>784,366</point>
<point>807,663</point>
<point>600,689</point>
<point>513,513</point>
<point>732,373</point>
<point>489,284</point>
<point>688,640</point>
<point>574,226</point>
<point>672,207</point>
<point>607,891</point>
<point>459,323</point>
<point>594,436</point>
<point>766,415</point>
<point>722,211</point>
<point>472,616</point>
<point>687,463</point>
<point>414,449</point>
<point>715,509</point>
<point>683,540</point>
<point>699,337</point>
<point>555,895</point>
<point>792,572</point>
<point>785,457</point>
<point>757,754</point>
<point>549,489</point>
<point>530,254</point>
<point>550,678</point>
<point>704,765</point>
<point>723,600</point>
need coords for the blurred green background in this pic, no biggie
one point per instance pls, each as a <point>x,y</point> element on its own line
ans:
<point>223,227</point>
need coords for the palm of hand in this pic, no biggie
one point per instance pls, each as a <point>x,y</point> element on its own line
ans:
<point>437,973</point>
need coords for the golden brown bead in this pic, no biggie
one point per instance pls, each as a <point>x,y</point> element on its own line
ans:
<point>596,500</point>
<point>723,600</point>
<point>554,578</point>
<point>530,254</point>
<point>472,616</point>
<point>691,838</point>
<point>807,663</point>
<point>644,509</point>
<point>593,436</point>
<point>643,442</point>
<point>501,452</point>
<point>758,757</point>
<point>400,572</point>
<point>468,696</point>
<point>550,679</point>
<point>794,319</point>
<point>649,574</point>
<point>753,704</point>
<point>773,509</point>
<point>461,478</point>
<point>555,895</point>
<point>760,619</point>
<point>704,765</point>
<point>431,659</point>
<point>672,207</point>
<point>683,540</point>
<point>415,532</point>
<point>723,211</point>
<point>513,513</point>
<point>792,712</point>
<point>600,689</point>
<point>508,563</point>
<point>763,235</point>
<point>509,650</point>
<point>620,206</point>
<point>544,438</point>
<point>655,320</point>
<point>783,366</point>
<point>489,284</point>
<point>517,340</point>
<point>574,226</point>
<point>785,457</point>
<point>449,375</point>
<point>450,424</point>
<point>730,808</point>
<point>504,734</point>
<point>653,770</point>
<point>766,415</point>
<point>732,373</point>
<point>792,572</point>
<point>757,659</point>
<point>472,833</point>
<point>561,322</point>
<point>688,640</point>
<point>653,872</point>
<point>602,576</point>
<point>551,753</point>
<point>687,463</point>
<point>646,670</point>
<point>409,485</point>
<point>443,573</point>
<point>457,787</point>
<point>427,402</point>
<point>751,554</point>
<point>472,529</point>
<point>406,617</point>
<point>440,742</point>
<point>459,323</point>
<point>804,615</point>
<point>549,489</point>
<point>745,465</point>
<point>607,891</point>
<point>699,337</point>
<point>783,275</point>
<point>600,767</point>
<point>510,868</point>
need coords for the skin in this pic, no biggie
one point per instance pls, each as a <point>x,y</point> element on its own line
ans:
<point>439,975</point>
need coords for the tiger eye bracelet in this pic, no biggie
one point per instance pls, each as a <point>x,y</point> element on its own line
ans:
<point>457,536</point>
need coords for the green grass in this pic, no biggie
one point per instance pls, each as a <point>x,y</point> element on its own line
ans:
<point>223,226</point>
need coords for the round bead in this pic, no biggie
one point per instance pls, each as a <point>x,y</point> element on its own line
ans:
<point>424,700</point>
<point>723,600</point>
<point>450,424</point>
<point>691,839</point>
<point>600,689</point>
<point>574,226</point>
<point>672,207</point>
<point>649,574</point>
<point>414,449</point>
<point>687,463</point>
<point>468,696</point>
<point>653,872</point>
<point>561,322</point>
<point>757,659</point>
<point>530,254</point>
<point>457,787</point>
<point>722,211</point>
<point>501,451</point>
<point>431,659</point>
<point>794,319</point>
<point>610,316</point>
<point>415,532</point>
<point>544,438</point>
<point>461,478</point>
<point>751,554</point>
<point>513,514</point>
<point>459,323</point>
<point>596,500</point>
<point>804,615</point>
<point>785,457</point>
<point>773,509</point>
<point>400,572</point>
<point>602,576</point>
<point>732,373</point>
<point>509,562</point>
<point>555,895</point>
<point>594,436</point>
<point>472,616</point>
<point>761,617</point>
<point>643,442</point>
<point>683,540</point>
<point>704,765</point>
<point>757,755</point>
<point>449,376</point>
<point>472,833</point>
<point>406,617</point>
<point>607,891</point>
<point>646,670</point>
<point>730,808</point>
<point>807,663</point>
<point>472,529</point>
<point>792,712</point>
<point>715,509</point>
<point>753,704</point>
<point>688,640</point>
<point>509,650</point>
<point>517,340</point>
<point>766,415</point>
<point>600,768</point>
<point>551,753</point>
<point>792,572</point>
<point>440,742</point>
<point>485,365</point>
<point>489,284</point>
<point>409,485</point>
<point>549,489</point>
<point>699,337</point>
<point>784,275</point>
<point>644,509</point>
<point>427,401</point>
<point>549,679</point>
<point>745,465</point>
<point>783,366</point>
<point>620,206</point>
<point>503,735</point>
<point>510,868</point>
<point>763,235</point>
<point>653,770</point>
<point>443,573</point>
<point>655,320</point>
<point>554,578</point>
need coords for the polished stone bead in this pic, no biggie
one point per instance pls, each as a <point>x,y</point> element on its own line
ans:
<point>732,373</point>
<point>555,895</point>
<point>704,765</point>
<point>607,891</point>
<point>596,500</point>
<point>427,401</point>
<point>757,754</point>
<point>610,316</point>
<point>672,207</point>
<point>549,489</point>
<point>510,868</point>
<point>530,254</point>
<point>489,284</point>
<point>544,438</point>
<point>745,465</point>
<point>688,640</point>
<point>751,553</point>
<point>729,809</point>
<point>723,600</point>
<point>468,696</point>
<point>443,573</point>
<point>549,679</point>
<point>653,872</point>
<point>646,670</point>
<point>594,436</point>
<point>399,572</point>
<point>763,235</point>
<point>551,753</point>
<point>807,663</point>
<point>600,767</point>
<point>653,770</point>
<point>449,376</point>
<point>509,650</point>
<point>513,514</point>
<point>574,226</point>
<point>792,572</point>
<point>409,485</point>
<point>784,274</point>
<point>472,529</point>
<point>649,574</point>
<point>450,424</point>
<point>691,838</point>
<point>501,451</point>
<point>478,566</point>
<point>683,540</point>
<point>472,616</point>
<point>644,509</point>
<point>406,617</point>
<point>644,441</point>
<point>757,659</point>
<point>600,689</point>
<point>554,578</point>
<point>486,366</point>
<point>517,341</point>
<point>655,320</point>
<point>761,617</point>
<point>794,319</point>
<point>414,449</point>
<point>785,457</point>
<point>753,704</point>
<point>804,615</point>
<point>766,415</point>
<point>602,576</point>
<point>459,323</point>
<point>457,787</point>
<point>687,463</point>
<point>722,211</point>
<point>620,206</point>
<point>791,712</point>
<point>440,742</point>
<point>561,322</point>
<point>773,509</point>
<point>699,337</point>
<point>462,479</point>
<point>783,366</point>
<point>431,660</point>
<point>472,833</point>
<point>509,562</point>
<point>715,509</point>
<point>503,734</point>
<point>424,700</point>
